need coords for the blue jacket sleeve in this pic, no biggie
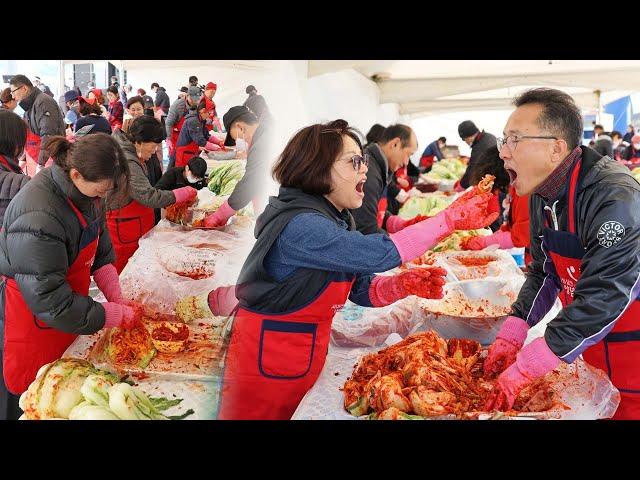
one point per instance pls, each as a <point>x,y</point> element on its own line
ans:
<point>311,240</point>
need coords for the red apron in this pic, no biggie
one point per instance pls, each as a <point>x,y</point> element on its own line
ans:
<point>427,161</point>
<point>402,173</point>
<point>185,153</point>
<point>618,353</point>
<point>32,149</point>
<point>126,225</point>
<point>28,342</point>
<point>273,360</point>
<point>175,133</point>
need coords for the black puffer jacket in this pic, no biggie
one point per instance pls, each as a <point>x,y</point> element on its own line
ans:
<point>44,118</point>
<point>610,269</point>
<point>11,181</point>
<point>40,240</point>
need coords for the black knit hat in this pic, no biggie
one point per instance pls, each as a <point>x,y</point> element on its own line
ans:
<point>467,129</point>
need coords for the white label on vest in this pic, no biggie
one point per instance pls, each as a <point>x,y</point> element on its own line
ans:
<point>610,234</point>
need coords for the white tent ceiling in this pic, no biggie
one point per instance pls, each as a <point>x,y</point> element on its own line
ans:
<point>423,87</point>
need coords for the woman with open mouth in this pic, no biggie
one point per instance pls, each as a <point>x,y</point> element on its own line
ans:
<point>308,260</point>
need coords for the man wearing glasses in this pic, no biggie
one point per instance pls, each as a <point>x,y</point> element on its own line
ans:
<point>585,243</point>
<point>43,117</point>
<point>389,154</point>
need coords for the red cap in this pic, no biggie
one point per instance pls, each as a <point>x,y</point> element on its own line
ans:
<point>90,101</point>
<point>97,92</point>
<point>211,86</point>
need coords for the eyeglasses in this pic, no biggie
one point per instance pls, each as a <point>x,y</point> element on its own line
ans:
<point>357,161</point>
<point>16,89</point>
<point>512,140</point>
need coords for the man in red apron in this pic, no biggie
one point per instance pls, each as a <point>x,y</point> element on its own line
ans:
<point>43,117</point>
<point>585,247</point>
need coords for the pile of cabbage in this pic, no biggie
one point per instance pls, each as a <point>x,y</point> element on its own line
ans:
<point>223,179</point>
<point>446,169</point>
<point>428,204</point>
<point>74,389</point>
<point>454,241</point>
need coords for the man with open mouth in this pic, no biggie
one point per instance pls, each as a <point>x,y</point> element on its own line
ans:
<point>585,244</point>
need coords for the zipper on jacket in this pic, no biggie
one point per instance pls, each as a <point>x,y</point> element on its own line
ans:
<point>554,217</point>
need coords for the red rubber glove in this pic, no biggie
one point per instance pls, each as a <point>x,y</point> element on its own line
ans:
<point>471,212</point>
<point>212,147</point>
<point>423,282</point>
<point>117,315</point>
<point>185,194</point>
<point>508,343</point>
<point>501,238</point>
<point>220,217</point>
<point>395,223</point>
<point>534,360</point>
<point>108,282</point>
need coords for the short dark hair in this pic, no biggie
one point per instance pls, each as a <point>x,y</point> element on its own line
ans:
<point>86,108</point>
<point>616,133</point>
<point>250,89</point>
<point>153,85</point>
<point>198,166</point>
<point>145,129</point>
<point>403,132</point>
<point>306,161</point>
<point>136,99</point>
<point>13,134</point>
<point>5,96</point>
<point>249,118</point>
<point>374,133</point>
<point>97,157</point>
<point>142,91</point>
<point>19,80</point>
<point>113,90</point>
<point>490,163</point>
<point>443,140</point>
<point>598,126</point>
<point>193,79</point>
<point>560,114</point>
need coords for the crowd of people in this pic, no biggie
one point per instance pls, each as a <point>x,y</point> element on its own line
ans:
<point>81,181</point>
<point>333,225</point>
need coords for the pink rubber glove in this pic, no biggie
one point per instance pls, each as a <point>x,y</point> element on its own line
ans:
<point>469,212</point>
<point>509,341</point>
<point>219,217</point>
<point>214,139</point>
<point>117,315</point>
<point>212,147</point>
<point>185,194</point>
<point>108,282</point>
<point>534,360</point>
<point>395,223</point>
<point>222,300</point>
<point>501,238</point>
<point>423,282</point>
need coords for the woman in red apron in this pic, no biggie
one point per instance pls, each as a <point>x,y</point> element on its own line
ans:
<point>131,215</point>
<point>308,259</point>
<point>194,134</point>
<point>617,354</point>
<point>52,242</point>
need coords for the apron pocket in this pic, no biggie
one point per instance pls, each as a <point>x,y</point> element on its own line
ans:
<point>286,349</point>
<point>623,358</point>
<point>129,230</point>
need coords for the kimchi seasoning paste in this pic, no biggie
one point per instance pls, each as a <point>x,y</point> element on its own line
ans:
<point>165,334</point>
<point>475,261</point>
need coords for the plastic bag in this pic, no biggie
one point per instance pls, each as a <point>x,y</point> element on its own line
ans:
<point>356,326</point>
<point>172,263</point>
